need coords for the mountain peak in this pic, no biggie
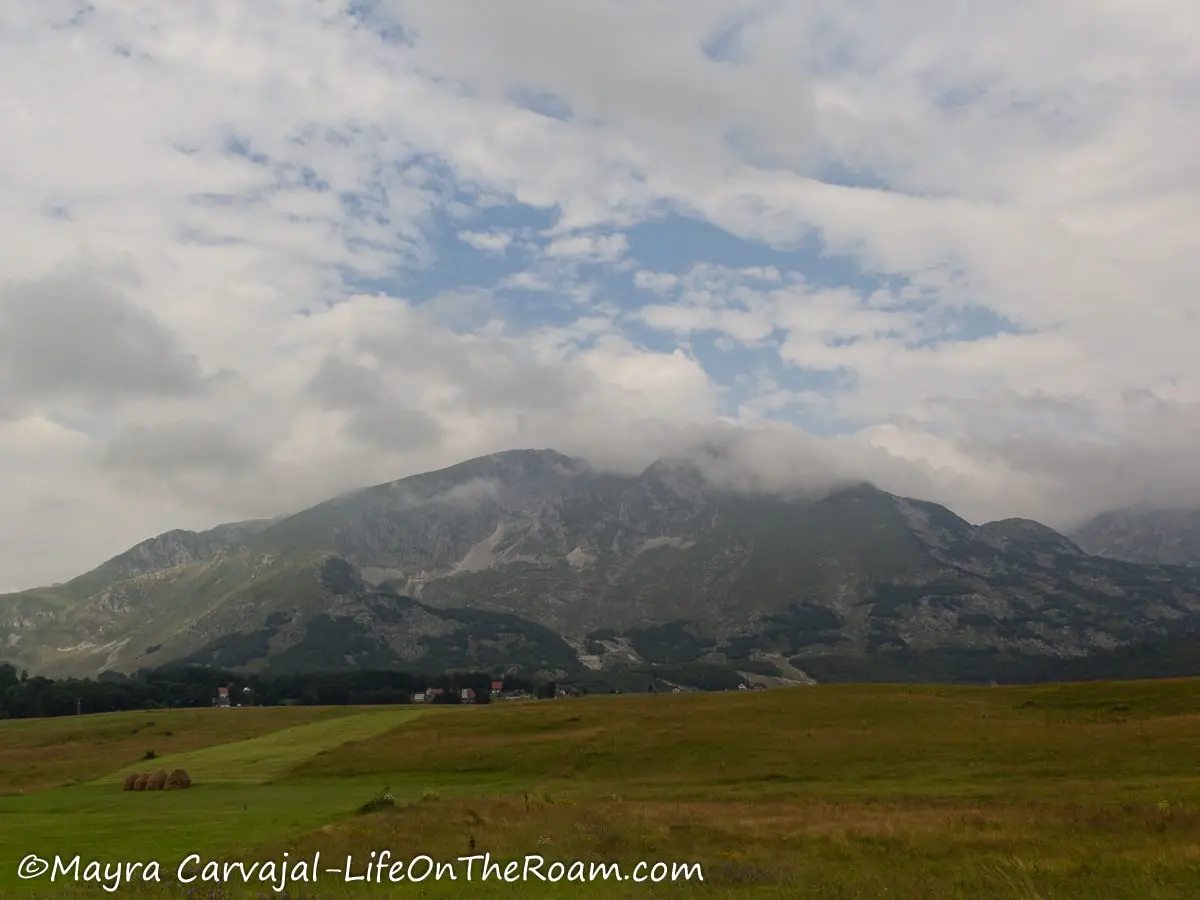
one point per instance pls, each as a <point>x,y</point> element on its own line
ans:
<point>1143,535</point>
<point>1026,530</point>
<point>179,545</point>
<point>504,463</point>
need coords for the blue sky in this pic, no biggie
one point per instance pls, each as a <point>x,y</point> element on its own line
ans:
<point>668,243</point>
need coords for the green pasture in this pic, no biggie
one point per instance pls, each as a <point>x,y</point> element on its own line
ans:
<point>1067,791</point>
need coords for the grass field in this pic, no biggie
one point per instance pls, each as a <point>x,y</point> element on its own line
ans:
<point>1079,791</point>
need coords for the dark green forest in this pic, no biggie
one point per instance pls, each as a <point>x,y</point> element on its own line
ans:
<point>31,696</point>
<point>23,696</point>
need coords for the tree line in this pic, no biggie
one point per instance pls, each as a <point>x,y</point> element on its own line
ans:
<point>23,696</point>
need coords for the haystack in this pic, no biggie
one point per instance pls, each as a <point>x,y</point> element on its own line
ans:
<point>178,780</point>
<point>157,780</point>
<point>139,782</point>
<point>127,784</point>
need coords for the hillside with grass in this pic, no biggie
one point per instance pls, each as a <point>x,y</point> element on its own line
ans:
<point>1054,791</point>
<point>251,610</point>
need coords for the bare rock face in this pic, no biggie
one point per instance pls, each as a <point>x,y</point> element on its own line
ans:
<point>1146,536</point>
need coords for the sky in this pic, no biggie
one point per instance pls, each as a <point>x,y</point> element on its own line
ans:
<point>256,254</point>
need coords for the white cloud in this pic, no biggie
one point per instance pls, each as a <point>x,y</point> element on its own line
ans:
<point>490,242</point>
<point>1034,160</point>
<point>659,282</point>
<point>589,248</point>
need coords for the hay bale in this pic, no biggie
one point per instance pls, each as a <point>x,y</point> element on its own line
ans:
<point>127,784</point>
<point>157,780</point>
<point>139,781</point>
<point>178,780</point>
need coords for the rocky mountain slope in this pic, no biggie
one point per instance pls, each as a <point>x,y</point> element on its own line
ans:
<point>165,551</point>
<point>1160,536</point>
<point>534,559</point>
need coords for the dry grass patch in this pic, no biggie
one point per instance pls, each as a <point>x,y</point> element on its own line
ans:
<point>36,754</point>
<point>791,844</point>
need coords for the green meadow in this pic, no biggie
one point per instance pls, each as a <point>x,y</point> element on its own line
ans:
<point>1060,791</point>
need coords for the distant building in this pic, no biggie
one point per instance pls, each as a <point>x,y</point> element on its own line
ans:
<point>497,688</point>
<point>222,698</point>
<point>469,695</point>
<point>419,697</point>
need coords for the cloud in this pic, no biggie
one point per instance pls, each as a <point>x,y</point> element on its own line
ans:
<point>395,428</point>
<point>491,242</point>
<point>73,336</point>
<point>257,255</point>
<point>178,447</point>
<point>344,384</point>
<point>586,247</point>
<point>1148,458</point>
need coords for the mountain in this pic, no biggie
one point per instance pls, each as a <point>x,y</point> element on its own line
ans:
<point>534,559</point>
<point>1161,536</point>
<point>169,549</point>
